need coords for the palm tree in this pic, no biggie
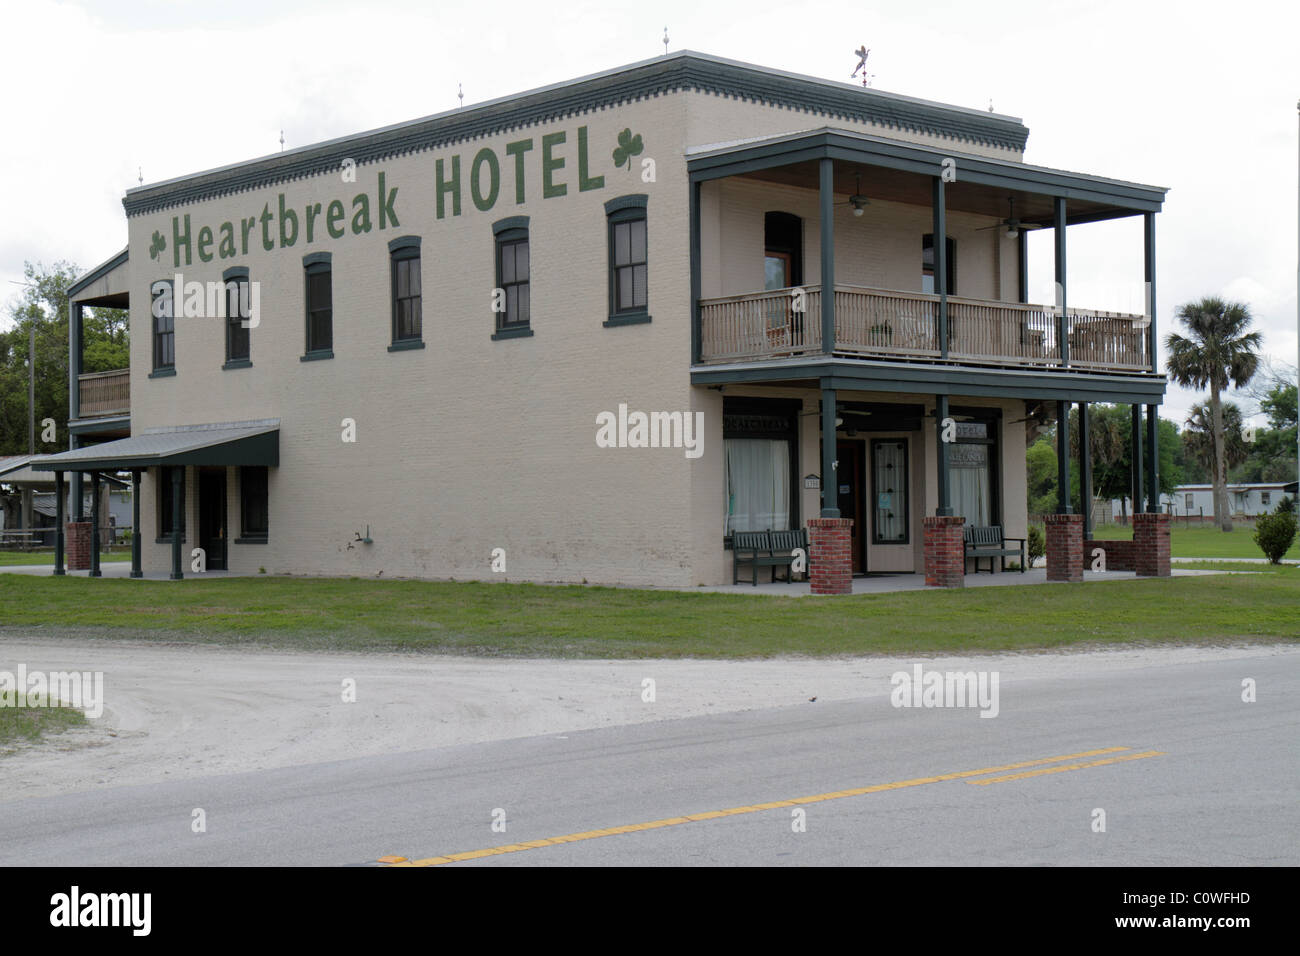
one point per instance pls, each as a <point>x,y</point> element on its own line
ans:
<point>1218,351</point>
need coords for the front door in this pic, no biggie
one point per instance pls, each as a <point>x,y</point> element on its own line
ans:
<point>212,517</point>
<point>890,498</point>
<point>849,478</point>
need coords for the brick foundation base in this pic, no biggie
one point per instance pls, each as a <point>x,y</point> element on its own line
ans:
<point>1064,547</point>
<point>830,555</point>
<point>945,551</point>
<point>1151,545</point>
<point>76,547</point>
<point>1119,554</point>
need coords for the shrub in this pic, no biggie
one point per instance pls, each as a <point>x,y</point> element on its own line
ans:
<point>1275,533</point>
<point>1286,506</point>
<point>1037,543</point>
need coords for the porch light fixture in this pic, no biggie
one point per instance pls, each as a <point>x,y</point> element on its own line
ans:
<point>858,201</point>
<point>1012,231</point>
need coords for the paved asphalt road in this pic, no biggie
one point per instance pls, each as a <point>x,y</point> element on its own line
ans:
<point>1222,788</point>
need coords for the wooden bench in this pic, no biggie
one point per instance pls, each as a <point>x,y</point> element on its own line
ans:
<point>989,542</point>
<point>769,549</point>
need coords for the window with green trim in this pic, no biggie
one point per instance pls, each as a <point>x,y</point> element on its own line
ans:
<point>513,279</point>
<point>407,290</point>
<point>253,502</point>
<point>319,282</point>
<point>162,308</point>
<point>238,317</point>
<point>628,260</point>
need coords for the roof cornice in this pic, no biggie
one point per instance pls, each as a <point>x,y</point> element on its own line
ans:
<point>677,72</point>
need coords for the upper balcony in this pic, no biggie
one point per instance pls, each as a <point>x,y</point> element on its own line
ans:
<point>776,221</point>
<point>105,393</point>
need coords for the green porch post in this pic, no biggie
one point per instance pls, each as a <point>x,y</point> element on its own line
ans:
<point>1085,468</point>
<point>830,478</point>
<point>1153,458</point>
<point>826,196</point>
<point>1063,505</point>
<point>696,332</point>
<point>940,248</point>
<point>59,517</point>
<point>178,489</point>
<point>94,524</point>
<point>1022,243</point>
<point>1062,321</point>
<point>944,506</point>
<point>136,571</point>
<point>1135,456</point>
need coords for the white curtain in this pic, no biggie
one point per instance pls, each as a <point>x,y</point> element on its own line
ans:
<point>758,484</point>
<point>971,488</point>
<point>891,491</point>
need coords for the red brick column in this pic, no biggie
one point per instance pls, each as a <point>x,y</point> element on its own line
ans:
<point>1151,545</point>
<point>830,558</point>
<point>77,545</point>
<point>1064,547</point>
<point>945,551</point>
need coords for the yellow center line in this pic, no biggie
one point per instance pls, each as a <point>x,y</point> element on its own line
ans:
<point>1073,766</point>
<point>759,807</point>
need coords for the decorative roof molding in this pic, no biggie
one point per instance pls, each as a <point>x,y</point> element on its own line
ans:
<point>678,72</point>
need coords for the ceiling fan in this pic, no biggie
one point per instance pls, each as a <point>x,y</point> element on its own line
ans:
<point>1012,224</point>
<point>858,201</point>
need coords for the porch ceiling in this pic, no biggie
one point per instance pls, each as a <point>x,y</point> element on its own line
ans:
<point>902,172</point>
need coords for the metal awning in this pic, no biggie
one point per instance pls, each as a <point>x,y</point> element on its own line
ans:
<point>222,443</point>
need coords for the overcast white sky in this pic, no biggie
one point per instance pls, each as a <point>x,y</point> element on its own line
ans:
<point>1196,96</point>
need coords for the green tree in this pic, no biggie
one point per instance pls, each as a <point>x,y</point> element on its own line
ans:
<point>1199,437</point>
<point>1219,350</point>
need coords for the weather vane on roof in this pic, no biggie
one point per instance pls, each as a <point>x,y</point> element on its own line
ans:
<point>862,53</point>
<point>140,175</point>
<point>282,141</point>
<point>665,40</point>
<point>460,95</point>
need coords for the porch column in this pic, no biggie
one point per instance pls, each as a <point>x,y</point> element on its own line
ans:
<point>1135,456</point>
<point>1085,468</point>
<point>74,360</point>
<point>94,524</point>
<point>178,489</point>
<point>939,205</point>
<point>1153,458</point>
<point>136,571</point>
<point>59,512</point>
<point>696,335</point>
<point>826,195</point>
<point>78,506</point>
<point>830,480</point>
<point>1149,267</point>
<point>944,483</point>
<point>1062,321</point>
<point>1023,245</point>
<point>1063,505</point>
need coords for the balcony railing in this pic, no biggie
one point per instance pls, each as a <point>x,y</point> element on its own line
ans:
<point>883,324</point>
<point>105,393</point>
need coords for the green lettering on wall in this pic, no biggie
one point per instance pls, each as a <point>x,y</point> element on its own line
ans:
<point>246,226</point>
<point>361,216</point>
<point>517,150</point>
<point>227,248</point>
<point>179,239</point>
<point>333,215</point>
<point>448,186</point>
<point>287,217</point>
<point>386,210</point>
<point>267,218</point>
<point>486,157</point>
<point>205,240</point>
<point>551,163</point>
<point>313,210</point>
<point>586,182</point>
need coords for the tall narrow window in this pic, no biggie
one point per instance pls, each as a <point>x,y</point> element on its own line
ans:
<point>319,294</point>
<point>628,260</point>
<point>239,317</point>
<point>972,460</point>
<point>889,495</point>
<point>512,301</point>
<point>162,308</point>
<point>253,501</point>
<point>927,265</point>
<point>404,253</point>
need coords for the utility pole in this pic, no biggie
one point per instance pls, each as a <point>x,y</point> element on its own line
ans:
<point>31,391</point>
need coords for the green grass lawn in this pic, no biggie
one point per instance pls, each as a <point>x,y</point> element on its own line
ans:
<point>11,558</point>
<point>23,723</point>
<point>534,620</point>
<point>1204,542</point>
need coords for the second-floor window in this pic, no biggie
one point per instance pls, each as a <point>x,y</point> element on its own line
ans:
<point>927,265</point>
<point>628,260</point>
<point>164,325</point>
<point>513,303</point>
<point>238,317</point>
<point>407,292</point>
<point>319,282</point>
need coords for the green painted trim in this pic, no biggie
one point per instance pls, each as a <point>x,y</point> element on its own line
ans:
<point>316,259</point>
<point>234,272</point>
<point>167,371</point>
<point>512,332</point>
<point>404,243</point>
<point>509,223</point>
<point>406,345</point>
<point>627,318</point>
<point>237,363</point>
<point>677,72</point>
<point>167,539</point>
<point>250,541</point>
<point>101,270</point>
<point>316,355</point>
<point>630,201</point>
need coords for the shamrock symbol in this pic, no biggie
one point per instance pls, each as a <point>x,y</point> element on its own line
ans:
<point>628,146</point>
<point>158,245</point>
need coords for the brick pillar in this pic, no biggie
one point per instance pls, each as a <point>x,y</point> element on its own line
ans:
<point>78,545</point>
<point>1064,547</point>
<point>830,558</point>
<point>1151,545</point>
<point>945,551</point>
